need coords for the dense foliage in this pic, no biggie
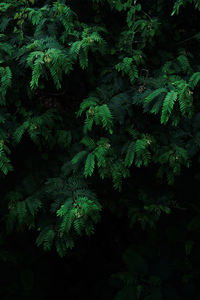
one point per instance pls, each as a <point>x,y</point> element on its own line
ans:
<point>100,141</point>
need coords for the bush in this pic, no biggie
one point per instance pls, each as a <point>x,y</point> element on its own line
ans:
<point>99,125</point>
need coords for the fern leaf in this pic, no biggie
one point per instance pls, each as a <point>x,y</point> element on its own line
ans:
<point>5,83</point>
<point>75,48</point>
<point>48,239</point>
<point>83,58</point>
<point>106,116</point>
<point>45,237</point>
<point>130,154</point>
<point>89,165</point>
<point>88,124</point>
<point>140,145</point>
<point>87,103</point>
<point>184,63</point>
<point>78,157</point>
<point>155,94</point>
<point>68,220</point>
<point>37,71</point>
<point>194,80</point>
<point>168,105</point>
<point>186,101</point>
<point>33,205</point>
<point>78,225</point>
<point>88,142</point>
<point>156,107</point>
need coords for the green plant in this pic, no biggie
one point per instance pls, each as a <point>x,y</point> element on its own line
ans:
<point>99,111</point>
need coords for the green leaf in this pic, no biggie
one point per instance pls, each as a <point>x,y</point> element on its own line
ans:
<point>194,80</point>
<point>155,94</point>
<point>79,156</point>
<point>130,154</point>
<point>168,105</point>
<point>89,165</point>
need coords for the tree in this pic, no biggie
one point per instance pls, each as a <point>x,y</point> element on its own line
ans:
<point>100,112</point>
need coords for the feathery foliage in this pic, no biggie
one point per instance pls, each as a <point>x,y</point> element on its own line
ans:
<point>99,116</point>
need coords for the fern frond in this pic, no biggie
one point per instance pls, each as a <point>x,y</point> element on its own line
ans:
<point>61,246</point>
<point>33,205</point>
<point>106,116</point>
<point>5,165</point>
<point>168,105</point>
<point>5,82</point>
<point>127,67</point>
<point>155,94</point>
<point>89,165</point>
<point>194,80</point>
<point>130,154</point>
<point>78,157</point>
<point>46,237</point>
<point>184,63</point>
<point>89,121</point>
<point>75,48</point>
<point>101,151</point>
<point>156,107</point>
<point>78,225</point>
<point>88,142</point>
<point>87,103</point>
